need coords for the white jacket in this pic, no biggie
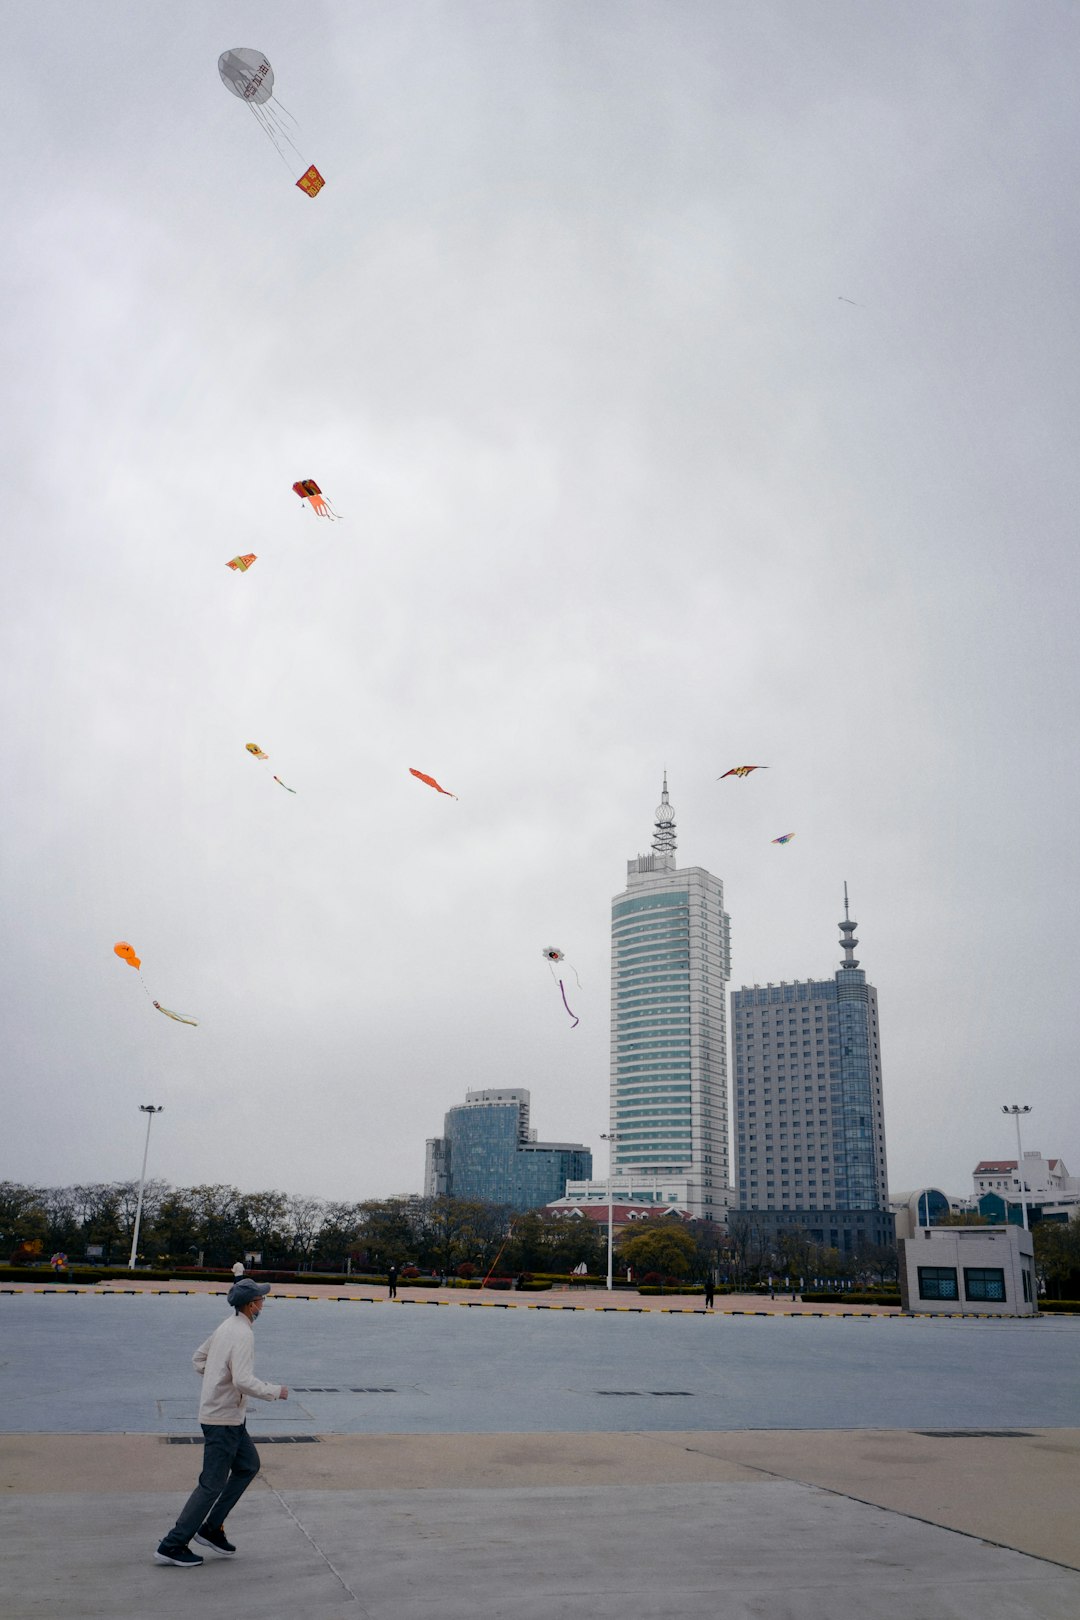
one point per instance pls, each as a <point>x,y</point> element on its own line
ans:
<point>226,1363</point>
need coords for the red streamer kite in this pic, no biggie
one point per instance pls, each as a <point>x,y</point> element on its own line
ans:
<point>431,782</point>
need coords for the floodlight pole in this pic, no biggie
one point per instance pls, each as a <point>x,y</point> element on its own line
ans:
<point>611,1137</point>
<point>149,1110</point>
<point>1015,1109</point>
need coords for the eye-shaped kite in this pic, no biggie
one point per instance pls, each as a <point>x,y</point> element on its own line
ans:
<point>553,955</point>
<point>126,953</point>
<point>742,770</point>
<point>240,565</point>
<point>256,752</point>
<point>308,490</point>
<point>784,839</point>
<point>421,776</point>
<point>249,75</point>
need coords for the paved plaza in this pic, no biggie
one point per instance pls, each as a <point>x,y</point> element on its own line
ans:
<point>524,1462</point>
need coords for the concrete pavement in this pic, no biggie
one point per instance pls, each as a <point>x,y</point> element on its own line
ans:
<point>790,1526</point>
<point>751,1518</point>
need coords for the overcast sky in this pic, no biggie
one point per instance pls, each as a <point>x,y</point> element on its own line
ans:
<point>698,383</point>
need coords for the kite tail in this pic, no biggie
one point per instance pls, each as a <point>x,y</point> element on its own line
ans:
<point>285,785</point>
<point>566,1004</point>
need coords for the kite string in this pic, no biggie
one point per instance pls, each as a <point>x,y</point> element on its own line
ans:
<point>272,128</point>
<point>498,1257</point>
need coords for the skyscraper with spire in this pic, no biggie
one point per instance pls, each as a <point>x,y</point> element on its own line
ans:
<point>670,962</point>
<point>808,1108</point>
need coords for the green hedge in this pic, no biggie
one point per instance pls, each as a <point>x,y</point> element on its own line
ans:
<point>678,1290</point>
<point>879,1296</point>
<point>1059,1305</point>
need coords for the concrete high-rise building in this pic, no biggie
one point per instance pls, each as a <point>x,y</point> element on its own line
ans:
<point>489,1152</point>
<point>809,1121</point>
<point>670,962</point>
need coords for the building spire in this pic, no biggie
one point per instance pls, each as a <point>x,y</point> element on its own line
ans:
<point>847,937</point>
<point>664,836</point>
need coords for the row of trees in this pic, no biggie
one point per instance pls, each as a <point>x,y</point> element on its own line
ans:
<point>214,1225</point>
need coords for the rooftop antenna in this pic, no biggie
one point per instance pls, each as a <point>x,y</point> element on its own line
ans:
<point>847,936</point>
<point>664,836</point>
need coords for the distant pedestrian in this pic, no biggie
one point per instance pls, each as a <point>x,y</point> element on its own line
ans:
<point>226,1363</point>
<point>237,1270</point>
<point>710,1292</point>
<point>391,1280</point>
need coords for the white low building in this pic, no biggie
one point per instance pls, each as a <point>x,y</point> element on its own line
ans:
<point>1041,1180</point>
<point>972,1270</point>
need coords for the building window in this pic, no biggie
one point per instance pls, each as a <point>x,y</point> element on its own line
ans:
<point>984,1282</point>
<point>938,1282</point>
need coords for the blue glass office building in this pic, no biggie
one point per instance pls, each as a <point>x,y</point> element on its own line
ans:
<point>809,1119</point>
<point>488,1152</point>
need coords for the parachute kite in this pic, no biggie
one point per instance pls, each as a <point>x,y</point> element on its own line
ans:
<point>552,955</point>
<point>241,565</point>
<point>126,954</point>
<point>784,839</point>
<point>308,490</point>
<point>742,770</point>
<point>431,782</point>
<point>249,75</point>
<point>256,752</point>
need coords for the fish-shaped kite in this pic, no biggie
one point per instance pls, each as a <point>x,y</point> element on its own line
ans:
<point>742,770</point>
<point>431,782</point>
<point>552,955</point>
<point>126,953</point>
<point>257,753</point>
<point>240,565</point>
<point>785,838</point>
<point>308,490</point>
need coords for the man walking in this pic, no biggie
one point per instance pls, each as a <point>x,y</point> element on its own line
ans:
<point>226,1364</point>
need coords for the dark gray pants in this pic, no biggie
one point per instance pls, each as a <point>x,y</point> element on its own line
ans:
<point>230,1463</point>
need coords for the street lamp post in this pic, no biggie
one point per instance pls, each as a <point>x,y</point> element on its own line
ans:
<point>610,1137</point>
<point>149,1110</point>
<point>1015,1109</point>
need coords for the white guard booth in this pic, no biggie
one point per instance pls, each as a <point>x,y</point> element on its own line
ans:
<point>980,1270</point>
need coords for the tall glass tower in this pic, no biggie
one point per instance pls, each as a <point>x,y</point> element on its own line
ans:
<point>670,962</point>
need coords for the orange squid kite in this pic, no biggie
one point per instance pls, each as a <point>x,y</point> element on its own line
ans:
<point>308,490</point>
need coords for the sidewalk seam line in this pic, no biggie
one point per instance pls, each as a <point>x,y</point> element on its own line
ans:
<point>304,1532</point>
<point>916,1518</point>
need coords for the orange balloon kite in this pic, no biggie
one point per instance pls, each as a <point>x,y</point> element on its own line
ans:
<point>126,953</point>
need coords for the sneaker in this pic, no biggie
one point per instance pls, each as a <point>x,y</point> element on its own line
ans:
<point>182,1557</point>
<point>209,1537</point>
